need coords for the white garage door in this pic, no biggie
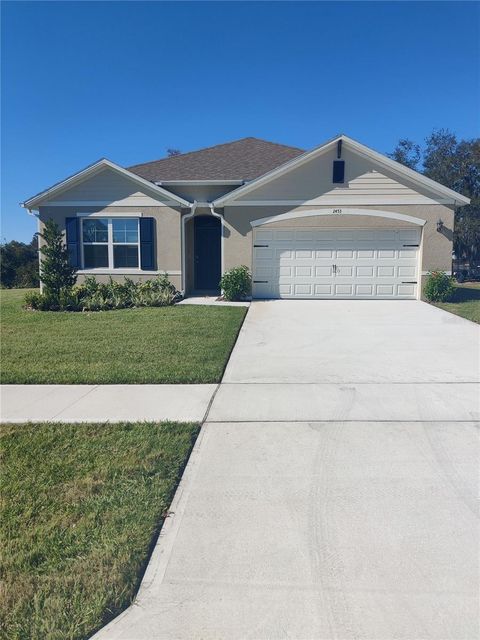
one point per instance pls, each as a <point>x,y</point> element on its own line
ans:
<point>335,263</point>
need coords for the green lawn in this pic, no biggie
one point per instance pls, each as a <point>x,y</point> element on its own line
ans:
<point>156,345</point>
<point>465,302</point>
<point>82,506</point>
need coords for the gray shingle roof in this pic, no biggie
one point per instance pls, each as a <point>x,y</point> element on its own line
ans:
<point>243,159</point>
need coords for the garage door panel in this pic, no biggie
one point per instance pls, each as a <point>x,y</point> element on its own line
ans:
<point>285,270</point>
<point>324,271</point>
<point>344,289</point>
<point>323,290</point>
<point>365,290</point>
<point>385,289</point>
<point>262,235</point>
<point>263,253</point>
<point>318,263</point>
<point>386,272</point>
<point>365,272</point>
<point>304,271</point>
<point>303,289</point>
<point>344,271</point>
<point>406,272</point>
<point>407,253</point>
<point>407,290</point>
<point>365,253</point>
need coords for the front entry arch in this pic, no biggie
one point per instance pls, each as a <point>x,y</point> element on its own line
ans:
<point>207,253</point>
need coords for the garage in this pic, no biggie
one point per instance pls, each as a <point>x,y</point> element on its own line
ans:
<point>331,263</point>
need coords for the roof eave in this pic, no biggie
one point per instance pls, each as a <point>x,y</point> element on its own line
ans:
<point>451,196</point>
<point>35,201</point>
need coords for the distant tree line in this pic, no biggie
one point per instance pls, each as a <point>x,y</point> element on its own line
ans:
<point>455,164</point>
<point>19,264</point>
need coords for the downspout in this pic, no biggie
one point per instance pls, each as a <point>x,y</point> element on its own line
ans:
<point>222,236</point>
<point>186,217</point>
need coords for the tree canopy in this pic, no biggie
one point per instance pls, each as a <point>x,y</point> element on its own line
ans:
<point>19,264</point>
<point>455,164</point>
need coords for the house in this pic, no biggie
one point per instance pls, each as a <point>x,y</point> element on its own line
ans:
<point>340,221</point>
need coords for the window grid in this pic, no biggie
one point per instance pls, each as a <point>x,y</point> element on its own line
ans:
<point>128,231</point>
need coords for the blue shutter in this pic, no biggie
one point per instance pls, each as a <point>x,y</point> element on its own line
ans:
<point>72,232</point>
<point>147,244</point>
<point>338,171</point>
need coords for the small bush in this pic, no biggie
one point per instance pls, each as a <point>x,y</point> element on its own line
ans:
<point>439,287</point>
<point>102,296</point>
<point>56,272</point>
<point>236,283</point>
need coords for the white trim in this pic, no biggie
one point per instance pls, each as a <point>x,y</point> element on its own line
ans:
<point>338,211</point>
<point>132,272</point>
<point>80,176</point>
<point>104,203</point>
<point>110,246</point>
<point>185,217</point>
<point>222,228</point>
<point>200,183</point>
<point>345,200</point>
<point>361,149</point>
<point>107,214</point>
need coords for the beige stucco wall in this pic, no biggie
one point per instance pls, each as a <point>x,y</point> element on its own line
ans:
<point>437,247</point>
<point>167,241</point>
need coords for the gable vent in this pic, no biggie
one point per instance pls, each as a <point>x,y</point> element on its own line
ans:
<point>338,171</point>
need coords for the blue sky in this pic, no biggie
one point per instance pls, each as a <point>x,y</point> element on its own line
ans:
<point>127,80</point>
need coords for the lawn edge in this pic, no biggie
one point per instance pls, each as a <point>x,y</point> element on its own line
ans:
<point>162,544</point>
<point>457,315</point>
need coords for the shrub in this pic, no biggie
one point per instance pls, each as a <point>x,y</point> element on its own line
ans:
<point>56,273</point>
<point>101,296</point>
<point>236,283</point>
<point>439,287</point>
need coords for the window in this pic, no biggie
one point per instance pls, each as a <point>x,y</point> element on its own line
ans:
<point>110,243</point>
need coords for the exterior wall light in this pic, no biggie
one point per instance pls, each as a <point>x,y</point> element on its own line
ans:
<point>439,225</point>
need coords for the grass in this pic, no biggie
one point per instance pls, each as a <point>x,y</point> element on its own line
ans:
<point>465,301</point>
<point>179,344</point>
<point>82,506</point>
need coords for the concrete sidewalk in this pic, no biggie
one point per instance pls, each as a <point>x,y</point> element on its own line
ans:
<point>105,403</point>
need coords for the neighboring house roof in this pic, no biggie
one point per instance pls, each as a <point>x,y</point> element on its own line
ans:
<point>92,169</point>
<point>243,159</point>
<point>380,159</point>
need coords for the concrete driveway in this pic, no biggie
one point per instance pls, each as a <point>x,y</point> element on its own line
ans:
<point>332,492</point>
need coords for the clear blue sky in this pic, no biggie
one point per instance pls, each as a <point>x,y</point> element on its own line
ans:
<point>126,80</point>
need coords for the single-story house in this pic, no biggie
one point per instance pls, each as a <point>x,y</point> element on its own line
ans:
<point>340,221</point>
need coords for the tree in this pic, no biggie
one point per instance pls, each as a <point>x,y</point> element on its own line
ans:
<point>56,273</point>
<point>455,164</point>
<point>173,152</point>
<point>406,152</point>
<point>19,264</point>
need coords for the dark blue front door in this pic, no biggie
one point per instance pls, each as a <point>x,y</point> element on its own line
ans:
<point>207,253</point>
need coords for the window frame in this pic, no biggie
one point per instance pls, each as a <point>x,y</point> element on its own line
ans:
<point>110,243</point>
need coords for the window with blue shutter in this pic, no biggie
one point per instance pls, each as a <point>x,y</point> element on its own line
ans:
<point>147,244</point>
<point>72,232</point>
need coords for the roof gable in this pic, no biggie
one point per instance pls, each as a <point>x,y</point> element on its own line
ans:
<point>303,179</point>
<point>244,159</point>
<point>133,185</point>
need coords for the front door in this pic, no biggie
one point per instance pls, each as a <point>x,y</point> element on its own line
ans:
<point>207,253</point>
